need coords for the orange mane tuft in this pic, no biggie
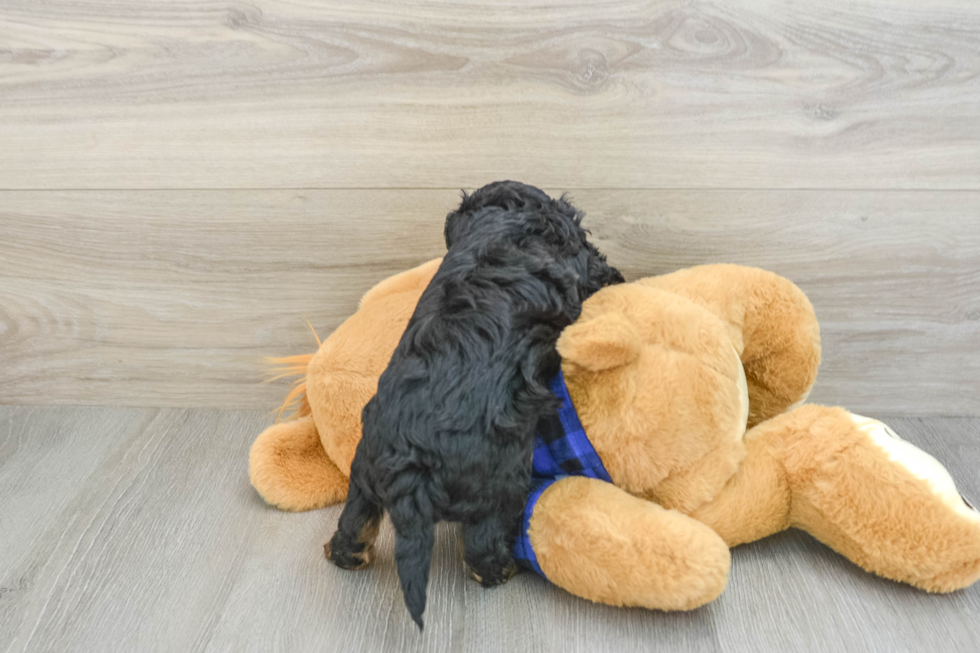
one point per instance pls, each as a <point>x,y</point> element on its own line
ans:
<point>296,400</point>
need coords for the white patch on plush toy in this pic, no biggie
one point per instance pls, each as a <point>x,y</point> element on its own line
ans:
<point>917,462</point>
<point>743,388</point>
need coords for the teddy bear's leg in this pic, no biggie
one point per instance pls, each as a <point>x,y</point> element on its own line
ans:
<point>756,501</point>
<point>771,322</point>
<point>290,470</point>
<point>855,485</point>
<point>603,544</point>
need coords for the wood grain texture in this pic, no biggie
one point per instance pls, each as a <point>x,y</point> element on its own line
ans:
<point>136,530</point>
<point>172,298</point>
<point>577,94</point>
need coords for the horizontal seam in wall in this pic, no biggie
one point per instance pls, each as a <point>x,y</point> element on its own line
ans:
<point>447,188</point>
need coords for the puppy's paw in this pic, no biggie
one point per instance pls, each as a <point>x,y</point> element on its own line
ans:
<point>471,573</point>
<point>353,560</point>
<point>492,578</point>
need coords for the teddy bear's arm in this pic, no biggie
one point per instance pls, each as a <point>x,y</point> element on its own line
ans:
<point>598,542</point>
<point>772,325</point>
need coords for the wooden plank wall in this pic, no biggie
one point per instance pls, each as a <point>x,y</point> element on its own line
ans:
<point>181,185</point>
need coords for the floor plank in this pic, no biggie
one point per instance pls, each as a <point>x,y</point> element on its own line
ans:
<point>148,554</point>
<point>623,94</point>
<point>171,298</point>
<point>136,529</point>
<point>48,458</point>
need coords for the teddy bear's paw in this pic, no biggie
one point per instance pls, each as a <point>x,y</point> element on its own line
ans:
<point>918,463</point>
<point>290,470</point>
<point>879,500</point>
<point>600,543</point>
<point>934,540</point>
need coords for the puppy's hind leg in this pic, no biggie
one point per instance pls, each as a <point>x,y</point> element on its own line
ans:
<point>488,545</point>
<point>352,546</point>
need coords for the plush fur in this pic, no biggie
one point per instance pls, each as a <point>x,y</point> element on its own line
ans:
<point>450,432</point>
<point>653,370</point>
<point>329,397</point>
<point>768,320</point>
<point>833,481</point>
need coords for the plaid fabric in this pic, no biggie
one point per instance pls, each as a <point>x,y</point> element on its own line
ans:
<point>561,449</point>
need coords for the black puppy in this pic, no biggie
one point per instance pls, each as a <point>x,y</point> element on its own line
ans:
<point>449,434</point>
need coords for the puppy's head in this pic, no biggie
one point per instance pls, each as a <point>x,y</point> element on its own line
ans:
<point>530,212</point>
<point>598,273</point>
<point>511,196</point>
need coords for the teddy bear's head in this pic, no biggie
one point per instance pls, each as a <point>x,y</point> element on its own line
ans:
<point>661,392</point>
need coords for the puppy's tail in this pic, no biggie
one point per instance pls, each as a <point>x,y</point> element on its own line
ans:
<point>412,517</point>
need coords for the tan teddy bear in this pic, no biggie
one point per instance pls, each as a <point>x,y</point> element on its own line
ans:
<point>665,375</point>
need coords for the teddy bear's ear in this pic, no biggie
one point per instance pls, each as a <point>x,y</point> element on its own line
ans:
<point>602,343</point>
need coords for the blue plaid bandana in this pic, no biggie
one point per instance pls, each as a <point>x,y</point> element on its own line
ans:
<point>561,449</point>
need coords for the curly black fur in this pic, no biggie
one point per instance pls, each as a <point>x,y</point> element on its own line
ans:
<point>450,432</point>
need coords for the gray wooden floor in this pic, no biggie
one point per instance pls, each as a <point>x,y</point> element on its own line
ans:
<point>126,529</point>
